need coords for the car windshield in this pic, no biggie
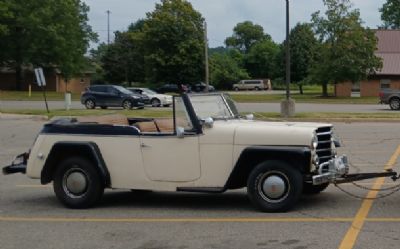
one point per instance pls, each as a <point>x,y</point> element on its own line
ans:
<point>123,90</point>
<point>148,91</point>
<point>217,106</point>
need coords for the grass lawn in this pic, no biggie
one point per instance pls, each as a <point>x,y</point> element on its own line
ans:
<point>312,94</point>
<point>35,96</point>
<point>321,116</point>
<point>84,112</point>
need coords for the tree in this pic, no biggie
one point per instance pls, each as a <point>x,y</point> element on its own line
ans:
<point>303,47</point>
<point>225,69</point>
<point>123,60</point>
<point>46,33</point>
<point>245,35</point>
<point>173,43</point>
<point>390,14</point>
<point>347,50</point>
<point>260,61</point>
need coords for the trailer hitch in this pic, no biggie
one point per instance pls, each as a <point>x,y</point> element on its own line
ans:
<point>364,176</point>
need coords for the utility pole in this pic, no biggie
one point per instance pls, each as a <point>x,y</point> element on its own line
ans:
<point>108,26</point>
<point>287,52</point>
<point>288,104</point>
<point>206,55</point>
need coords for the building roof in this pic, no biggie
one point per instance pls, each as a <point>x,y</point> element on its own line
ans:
<point>389,51</point>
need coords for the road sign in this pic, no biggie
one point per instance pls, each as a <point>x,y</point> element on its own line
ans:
<point>40,79</point>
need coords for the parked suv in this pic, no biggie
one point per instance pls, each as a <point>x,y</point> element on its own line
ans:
<point>251,85</point>
<point>110,96</point>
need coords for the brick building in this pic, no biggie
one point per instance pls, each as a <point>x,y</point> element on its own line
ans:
<point>54,81</point>
<point>388,77</point>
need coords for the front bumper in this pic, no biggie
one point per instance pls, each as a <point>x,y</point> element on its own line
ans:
<point>332,170</point>
<point>18,165</point>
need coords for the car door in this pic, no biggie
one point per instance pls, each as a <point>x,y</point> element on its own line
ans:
<point>113,97</point>
<point>98,93</point>
<point>167,157</point>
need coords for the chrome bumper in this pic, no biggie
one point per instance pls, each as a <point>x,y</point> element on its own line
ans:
<point>331,170</point>
<point>18,165</point>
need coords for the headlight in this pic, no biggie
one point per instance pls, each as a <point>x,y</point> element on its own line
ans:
<point>314,141</point>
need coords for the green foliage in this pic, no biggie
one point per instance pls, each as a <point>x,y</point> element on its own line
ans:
<point>45,33</point>
<point>173,43</point>
<point>260,61</point>
<point>123,60</point>
<point>347,50</point>
<point>245,35</point>
<point>225,69</point>
<point>303,49</point>
<point>390,14</point>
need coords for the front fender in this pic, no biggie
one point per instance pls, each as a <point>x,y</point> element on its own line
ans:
<point>298,157</point>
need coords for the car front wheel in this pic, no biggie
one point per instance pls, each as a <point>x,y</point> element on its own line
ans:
<point>127,104</point>
<point>155,103</point>
<point>394,104</point>
<point>274,186</point>
<point>77,184</point>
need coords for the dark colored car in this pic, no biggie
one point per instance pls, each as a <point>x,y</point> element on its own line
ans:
<point>110,96</point>
<point>201,87</point>
<point>172,88</point>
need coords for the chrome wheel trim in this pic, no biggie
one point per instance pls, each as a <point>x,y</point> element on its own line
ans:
<point>274,186</point>
<point>75,183</point>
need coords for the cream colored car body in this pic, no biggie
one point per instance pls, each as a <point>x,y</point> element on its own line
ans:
<point>168,162</point>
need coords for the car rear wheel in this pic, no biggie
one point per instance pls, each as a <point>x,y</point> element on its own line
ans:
<point>127,104</point>
<point>274,186</point>
<point>394,103</point>
<point>236,89</point>
<point>77,184</point>
<point>257,88</point>
<point>155,103</point>
<point>90,104</point>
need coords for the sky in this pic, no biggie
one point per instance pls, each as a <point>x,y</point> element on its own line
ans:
<point>223,15</point>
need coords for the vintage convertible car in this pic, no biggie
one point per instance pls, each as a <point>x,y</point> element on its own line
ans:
<point>206,146</point>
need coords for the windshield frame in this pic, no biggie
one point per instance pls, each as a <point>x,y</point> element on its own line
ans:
<point>233,115</point>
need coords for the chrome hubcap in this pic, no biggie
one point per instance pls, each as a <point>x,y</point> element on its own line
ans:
<point>395,104</point>
<point>127,105</point>
<point>89,103</point>
<point>75,182</point>
<point>274,187</point>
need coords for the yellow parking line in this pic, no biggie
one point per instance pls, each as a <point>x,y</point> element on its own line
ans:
<point>351,236</point>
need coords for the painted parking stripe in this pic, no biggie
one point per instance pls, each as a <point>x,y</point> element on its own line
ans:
<point>350,238</point>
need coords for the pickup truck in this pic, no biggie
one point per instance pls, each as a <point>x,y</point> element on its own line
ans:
<point>390,97</point>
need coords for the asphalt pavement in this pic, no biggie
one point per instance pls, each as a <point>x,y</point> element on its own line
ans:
<point>31,217</point>
<point>243,107</point>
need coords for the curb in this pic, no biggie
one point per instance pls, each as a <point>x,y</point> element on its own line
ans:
<point>7,116</point>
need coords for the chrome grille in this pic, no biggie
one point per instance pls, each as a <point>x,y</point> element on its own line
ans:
<point>324,149</point>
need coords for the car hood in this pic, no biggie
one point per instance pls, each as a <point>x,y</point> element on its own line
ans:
<point>248,132</point>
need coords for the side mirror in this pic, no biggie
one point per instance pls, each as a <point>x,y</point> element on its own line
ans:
<point>249,116</point>
<point>180,132</point>
<point>208,122</point>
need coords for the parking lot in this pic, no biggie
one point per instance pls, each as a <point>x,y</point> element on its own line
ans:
<point>31,217</point>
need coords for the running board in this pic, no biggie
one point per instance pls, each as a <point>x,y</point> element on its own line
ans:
<point>214,190</point>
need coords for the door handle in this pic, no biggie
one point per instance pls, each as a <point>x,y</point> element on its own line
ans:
<point>143,145</point>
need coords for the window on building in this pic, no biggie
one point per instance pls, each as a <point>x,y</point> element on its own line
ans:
<point>385,84</point>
